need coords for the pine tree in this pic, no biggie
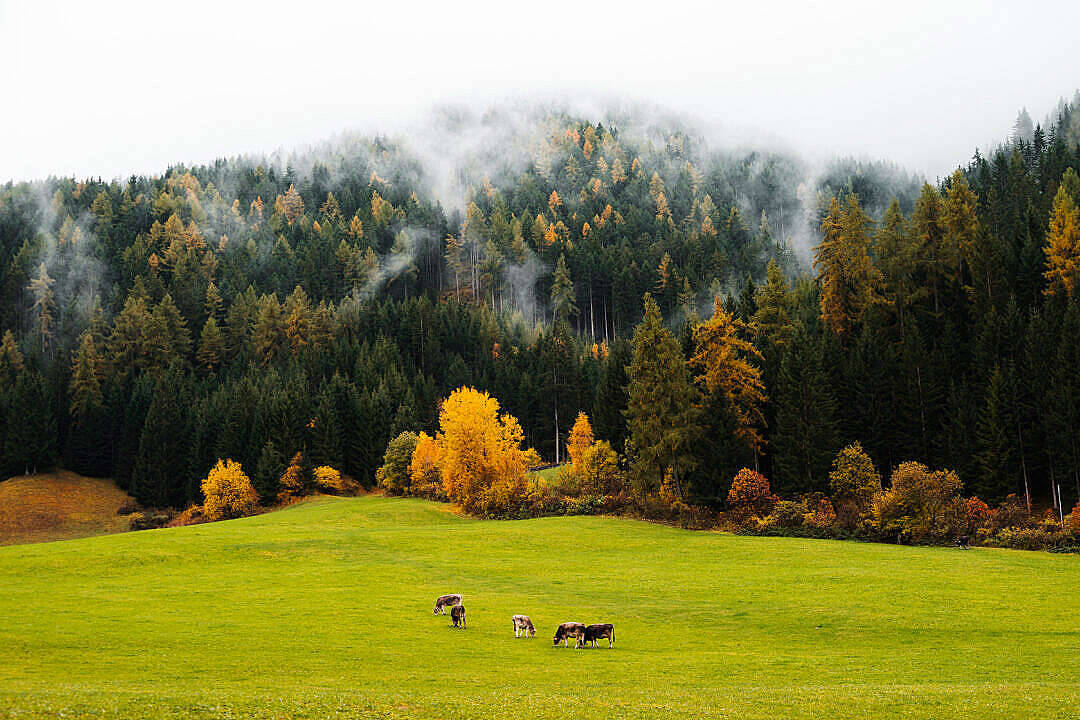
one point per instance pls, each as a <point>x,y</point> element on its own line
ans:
<point>806,436</point>
<point>609,420</point>
<point>30,437</point>
<point>661,416</point>
<point>163,448</point>
<point>960,223</point>
<point>771,319</point>
<point>86,376</point>
<point>562,292</point>
<point>996,456</point>
<point>211,345</point>
<point>896,257</point>
<point>270,466</point>
<point>213,305</point>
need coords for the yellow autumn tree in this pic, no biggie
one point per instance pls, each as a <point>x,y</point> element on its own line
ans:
<point>1063,246</point>
<point>424,476</point>
<point>329,478</point>
<point>724,361</point>
<point>480,456</point>
<point>580,439</point>
<point>228,492</point>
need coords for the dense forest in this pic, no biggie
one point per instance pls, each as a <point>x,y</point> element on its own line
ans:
<point>323,302</point>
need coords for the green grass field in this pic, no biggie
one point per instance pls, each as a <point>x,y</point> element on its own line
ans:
<point>324,610</point>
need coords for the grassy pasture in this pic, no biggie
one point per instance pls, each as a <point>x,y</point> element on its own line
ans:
<point>325,610</point>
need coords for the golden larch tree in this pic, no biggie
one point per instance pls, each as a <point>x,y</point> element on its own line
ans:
<point>580,439</point>
<point>724,362</point>
<point>1063,246</point>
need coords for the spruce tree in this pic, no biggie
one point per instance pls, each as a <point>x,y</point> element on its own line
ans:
<point>661,414</point>
<point>806,436</point>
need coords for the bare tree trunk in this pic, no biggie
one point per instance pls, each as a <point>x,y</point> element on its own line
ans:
<point>592,320</point>
<point>1023,467</point>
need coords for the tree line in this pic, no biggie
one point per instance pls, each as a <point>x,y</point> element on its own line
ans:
<point>238,310</point>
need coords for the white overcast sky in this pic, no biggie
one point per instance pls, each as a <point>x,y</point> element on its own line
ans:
<point>101,88</point>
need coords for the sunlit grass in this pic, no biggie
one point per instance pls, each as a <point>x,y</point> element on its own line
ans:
<point>324,610</point>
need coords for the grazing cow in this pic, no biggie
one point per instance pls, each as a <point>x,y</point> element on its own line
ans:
<point>598,632</point>
<point>523,626</point>
<point>963,542</point>
<point>457,616</point>
<point>569,630</point>
<point>445,601</point>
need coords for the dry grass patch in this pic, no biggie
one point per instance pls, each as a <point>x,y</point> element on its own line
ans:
<point>59,506</point>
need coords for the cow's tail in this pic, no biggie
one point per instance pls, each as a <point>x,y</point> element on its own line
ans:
<point>612,634</point>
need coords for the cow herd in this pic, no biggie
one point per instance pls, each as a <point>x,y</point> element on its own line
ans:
<point>581,633</point>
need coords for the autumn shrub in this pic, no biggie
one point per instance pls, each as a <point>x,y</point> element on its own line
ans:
<point>978,516</point>
<point>291,483</point>
<point>750,495</point>
<point>393,476</point>
<point>920,505</point>
<point>1072,520</point>
<point>193,515</point>
<point>1030,538</point>
<point>583,505</point>
<point>853,482</point>
<point>786,514</point>
<point>329,479</point>
<point>821,515</point>
<point>148,519</point>
<point>1012,512</point>
<point>228,492</point>
<point>128,508</point>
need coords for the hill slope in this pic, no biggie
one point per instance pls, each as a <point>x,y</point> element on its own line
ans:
<point>324,610</point>
<point>59,506</point>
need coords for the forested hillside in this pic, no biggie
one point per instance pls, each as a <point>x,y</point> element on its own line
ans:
<point>326,301</point>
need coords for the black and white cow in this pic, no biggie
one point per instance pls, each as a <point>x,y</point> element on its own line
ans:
<point>568,630</point>
<point>523,626</point>
<point>598,632</point>
<point>457,616</point>
<point>445,601</point>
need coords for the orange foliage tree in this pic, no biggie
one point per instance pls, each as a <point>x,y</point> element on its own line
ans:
<point>750,494</point>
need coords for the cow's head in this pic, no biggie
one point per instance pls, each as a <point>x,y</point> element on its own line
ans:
<point>558,636</point>
<point>531,630</point>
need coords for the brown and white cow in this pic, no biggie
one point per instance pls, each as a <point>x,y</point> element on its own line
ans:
<point>569,630</point>
<point>457,616</point>
<point>444,601</point>
<point>598,632</point>
<point>523,626</point>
